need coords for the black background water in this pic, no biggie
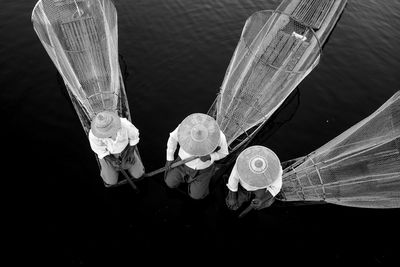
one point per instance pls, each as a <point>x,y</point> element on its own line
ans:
<point>177,52</point>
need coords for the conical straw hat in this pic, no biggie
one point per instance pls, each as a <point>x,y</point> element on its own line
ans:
<point>105,124</point>
<point>198,134</point>
<point>258,166</point>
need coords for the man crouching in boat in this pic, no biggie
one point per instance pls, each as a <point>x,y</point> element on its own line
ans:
<point>256,176</point>
<point>113,139</point>
<point>197,135</point>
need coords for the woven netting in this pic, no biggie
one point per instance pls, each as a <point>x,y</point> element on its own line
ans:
<point>274,54</point>
<point>81,38</point>
<point>359,168</point>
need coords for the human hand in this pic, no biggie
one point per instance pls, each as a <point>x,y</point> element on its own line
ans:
<point>127,151</point>
<point>167,167</point>
<point>131,158</point>
<point>232,204</point>
<point>116,163</point>
<point>168,164</point>
<point>231,201</point>
<point>205,158</point>
<point>130,155</point>
<point>256,203</point>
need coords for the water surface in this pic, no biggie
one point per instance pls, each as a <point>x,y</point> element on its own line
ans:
<point>176,53</point>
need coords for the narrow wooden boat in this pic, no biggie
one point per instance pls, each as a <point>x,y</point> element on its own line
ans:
<point>81,38</point>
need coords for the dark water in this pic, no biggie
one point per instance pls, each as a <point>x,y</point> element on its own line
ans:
<point>177,52</point>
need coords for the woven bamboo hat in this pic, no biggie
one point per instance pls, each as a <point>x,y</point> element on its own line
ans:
<point>105,124</point>
<point>198,134</point>
<point>258,166</point>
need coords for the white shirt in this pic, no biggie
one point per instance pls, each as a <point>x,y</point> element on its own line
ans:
<point>196,164</point>
<point>234,180</point>
<point>106,146</point>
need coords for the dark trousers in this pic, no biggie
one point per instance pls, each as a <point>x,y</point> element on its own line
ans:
<point>198,180</point>
<point>245,196</point>
<point>110,174</point>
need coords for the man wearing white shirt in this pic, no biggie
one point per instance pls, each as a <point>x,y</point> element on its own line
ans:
<point>113,139</point>
<point>197,135</point>
<point>257,175</point>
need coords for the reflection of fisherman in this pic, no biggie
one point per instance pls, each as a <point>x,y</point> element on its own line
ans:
<point>197,135</point>
<point>114,140</point>
<point>257,175</point>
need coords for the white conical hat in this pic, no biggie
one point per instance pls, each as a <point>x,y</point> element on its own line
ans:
<point>198,134</point>
<point>105,124</point>
<point>258,166</point>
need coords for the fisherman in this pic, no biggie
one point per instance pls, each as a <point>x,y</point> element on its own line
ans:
<point>197,135</point>
<point>114,139</point>
<point>256,176</point>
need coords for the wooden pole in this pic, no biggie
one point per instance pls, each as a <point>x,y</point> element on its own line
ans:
<point>247,210</point>
<point>173,165</point>
<point>150,174</point>
<point>127,178</point>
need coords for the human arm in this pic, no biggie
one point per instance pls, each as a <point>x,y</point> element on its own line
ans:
<point>232,200</point>
<point>276,186</point>
<point>232,197</point>
<point>115,162</point>
<point>268,195</point>
<point>233,181</point>
<point>129,153</point>
<point>222,152</point>
<point>172,144</point>
<point>98,146</point>
<point>133,132</point>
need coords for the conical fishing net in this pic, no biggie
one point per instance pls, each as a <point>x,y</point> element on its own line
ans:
<point>359,168</point>
<point>81,38</point>
<point>274,54</point>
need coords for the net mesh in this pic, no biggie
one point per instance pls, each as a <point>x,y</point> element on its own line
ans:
<point>81,38</point>
<point>312,13</point>
<point>359,168</point>
<point>274,54</point>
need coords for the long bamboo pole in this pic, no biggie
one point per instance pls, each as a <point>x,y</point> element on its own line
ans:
<point>173,165</point>
<point>128,179</point>
<point>160,170</point>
